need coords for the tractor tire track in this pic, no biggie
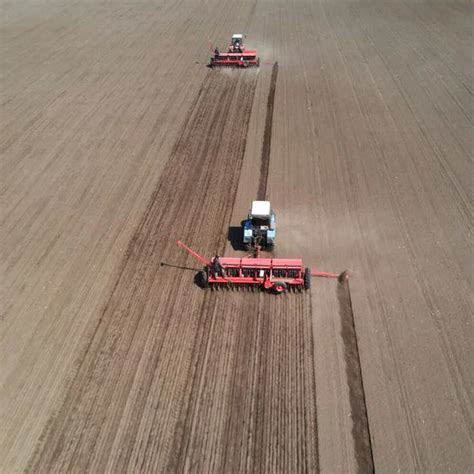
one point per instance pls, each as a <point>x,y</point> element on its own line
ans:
<point>360,428</point>
<point>267,137</point>
<point>357,398</point>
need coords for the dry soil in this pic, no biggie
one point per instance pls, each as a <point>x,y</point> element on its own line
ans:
<point>117,141</point>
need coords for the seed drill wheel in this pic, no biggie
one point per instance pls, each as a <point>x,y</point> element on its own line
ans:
<point>201,279</point>
<point>280,287</point>
<point>307,278</point>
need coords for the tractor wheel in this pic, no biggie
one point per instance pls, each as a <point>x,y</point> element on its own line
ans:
<point>201,279</point>
<point>280,287</point>
<point>307,278</point>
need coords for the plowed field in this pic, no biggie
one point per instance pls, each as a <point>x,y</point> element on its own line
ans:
<point>117,141</point>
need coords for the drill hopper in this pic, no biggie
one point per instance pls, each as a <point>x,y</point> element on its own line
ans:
<point>236,56</point>
<point>276,274</point>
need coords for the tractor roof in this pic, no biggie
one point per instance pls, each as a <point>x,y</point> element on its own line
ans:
<point>260,208</point>
<point>237,36</point>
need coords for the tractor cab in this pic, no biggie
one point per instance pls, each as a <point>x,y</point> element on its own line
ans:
<point>259,229</point>
<point>237,44</point>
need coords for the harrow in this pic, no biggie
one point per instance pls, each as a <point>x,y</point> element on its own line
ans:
<point>245,273</point>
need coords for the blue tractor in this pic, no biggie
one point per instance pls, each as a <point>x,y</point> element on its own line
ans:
<point>259,229</point>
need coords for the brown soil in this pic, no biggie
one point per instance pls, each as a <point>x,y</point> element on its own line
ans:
<point>117,141</point>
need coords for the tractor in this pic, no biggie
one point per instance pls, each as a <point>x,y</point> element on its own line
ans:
<point>237,56</point>
<point>259,229</point>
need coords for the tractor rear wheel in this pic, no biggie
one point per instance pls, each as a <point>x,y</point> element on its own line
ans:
<point>307,278</point>
<point>280,287</point>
